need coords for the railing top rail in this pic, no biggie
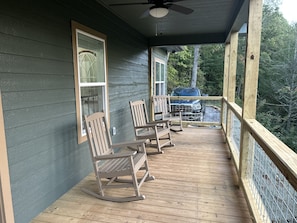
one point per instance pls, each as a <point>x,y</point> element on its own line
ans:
<point>236,109</point>
<point>209,98</point>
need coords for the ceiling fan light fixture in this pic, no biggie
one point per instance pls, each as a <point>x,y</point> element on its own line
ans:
<point>158,12</point>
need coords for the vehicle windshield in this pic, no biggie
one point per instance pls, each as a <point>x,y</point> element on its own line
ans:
<point>186,92</point>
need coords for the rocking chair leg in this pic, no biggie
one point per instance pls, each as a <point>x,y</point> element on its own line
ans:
<point>146,167</point>
<point>135,184</point>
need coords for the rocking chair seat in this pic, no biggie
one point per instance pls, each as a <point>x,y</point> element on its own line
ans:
<point>119,167</point>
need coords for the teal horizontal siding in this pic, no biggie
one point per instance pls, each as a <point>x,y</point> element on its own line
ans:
<point>20,152</point>
<point>25,116</point>
<point>24,64</point>
<point>13,45</point>
<point>38,94</point>
<point>25,99</point>
<point>13,82</point>
<point>34,130</point>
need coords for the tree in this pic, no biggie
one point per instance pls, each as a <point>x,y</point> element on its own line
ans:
<point>195,66</point>
<point>180,69</point>
<point>210,71</point>
<point>277,94</point>
<point>212,66</point>
<point>273,3</point>
<point>273,53</point>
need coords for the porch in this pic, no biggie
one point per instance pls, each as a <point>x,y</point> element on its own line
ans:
<point>195,182</point>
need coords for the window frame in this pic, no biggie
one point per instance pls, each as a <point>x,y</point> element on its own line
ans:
<point>76,29</point>
<point>159,82</point>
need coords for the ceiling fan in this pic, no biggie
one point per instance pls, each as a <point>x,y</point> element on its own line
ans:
<point>160,8</point>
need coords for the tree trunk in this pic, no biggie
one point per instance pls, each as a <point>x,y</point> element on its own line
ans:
<point>195,66</point>
<point>295,55</point>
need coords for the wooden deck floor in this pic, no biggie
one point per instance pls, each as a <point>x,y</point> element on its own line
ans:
<point>194,183</point>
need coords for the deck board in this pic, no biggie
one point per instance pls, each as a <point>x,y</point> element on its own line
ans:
<point>195,182</point>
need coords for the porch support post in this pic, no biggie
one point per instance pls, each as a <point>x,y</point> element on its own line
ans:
<point>229,89</point>
<point>250,96</point>
<point>6,208</point>
<point>232,67</point>
<point>225,86</point>
<point>151,81</point>
<point>226,69</point>
<point>250,77</point>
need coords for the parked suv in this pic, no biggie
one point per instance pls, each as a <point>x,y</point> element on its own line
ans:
<point>191,110</point>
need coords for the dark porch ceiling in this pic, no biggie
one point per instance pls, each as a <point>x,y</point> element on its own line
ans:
<point>211,22</point>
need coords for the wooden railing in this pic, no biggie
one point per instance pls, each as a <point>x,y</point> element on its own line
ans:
<point>210,100</point>
<point>269,178</point>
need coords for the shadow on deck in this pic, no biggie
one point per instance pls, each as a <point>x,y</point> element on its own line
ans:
<point>195,182</point>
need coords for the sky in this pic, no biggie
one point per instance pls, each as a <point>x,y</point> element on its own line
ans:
<point>288,8</point>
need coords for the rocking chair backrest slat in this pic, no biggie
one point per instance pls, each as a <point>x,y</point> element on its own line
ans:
<point>139,113</point>
<point>99,137</point>
<point>161,104</point>
<point>98,134</point>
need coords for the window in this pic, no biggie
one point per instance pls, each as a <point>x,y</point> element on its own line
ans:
<point>160,88</point>
<point>90,70</point>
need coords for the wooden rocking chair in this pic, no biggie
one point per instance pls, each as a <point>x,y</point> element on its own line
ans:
<point>162,111</point>
<point>157,131</point>
<point>111,169</point>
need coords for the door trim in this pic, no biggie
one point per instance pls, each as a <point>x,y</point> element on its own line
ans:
<point>6,207</point>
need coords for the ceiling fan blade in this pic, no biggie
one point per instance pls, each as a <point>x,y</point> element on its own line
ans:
<point>180,9</point>
<point>168,1</point>
<point>146,3</point>
<point>135,3</point>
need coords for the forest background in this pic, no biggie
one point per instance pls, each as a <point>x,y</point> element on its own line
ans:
<point>277,84</point>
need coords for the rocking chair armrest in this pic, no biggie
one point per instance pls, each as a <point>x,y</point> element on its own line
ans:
<point>116,155</point>
<point>136,146</point>
<point>149,125</point>
<point>128,144</point>
<point>158,122</point>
